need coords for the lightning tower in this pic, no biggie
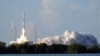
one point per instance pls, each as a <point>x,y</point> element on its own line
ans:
<point>14,31</point>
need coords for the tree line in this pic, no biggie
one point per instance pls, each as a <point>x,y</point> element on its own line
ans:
<point>27,48</point>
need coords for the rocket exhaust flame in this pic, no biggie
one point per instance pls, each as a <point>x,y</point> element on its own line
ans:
<point>22,38</point>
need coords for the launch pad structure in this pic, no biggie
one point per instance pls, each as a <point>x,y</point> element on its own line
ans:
<point>23,38</point>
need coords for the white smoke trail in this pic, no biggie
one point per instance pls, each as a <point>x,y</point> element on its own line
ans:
<point>49,13</point>
<point>22,38</point>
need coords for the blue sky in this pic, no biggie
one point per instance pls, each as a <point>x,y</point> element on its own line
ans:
<point>51,17</point>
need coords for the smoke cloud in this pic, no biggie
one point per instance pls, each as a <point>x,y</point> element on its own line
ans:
<point>22,38</point>
<point>70,37</point>
<point>49,13</point>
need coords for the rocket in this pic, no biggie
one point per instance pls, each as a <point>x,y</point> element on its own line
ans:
<point>23,21</point>
<point>23,37</point>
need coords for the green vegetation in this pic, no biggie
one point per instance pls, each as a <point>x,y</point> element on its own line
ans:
<point>2,47</point>
<point>75,48</point>
<point>43,48</point>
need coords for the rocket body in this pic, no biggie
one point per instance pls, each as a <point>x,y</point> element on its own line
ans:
<point>23,21</point>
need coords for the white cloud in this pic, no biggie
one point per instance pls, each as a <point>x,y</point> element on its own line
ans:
<point>70,37</point>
